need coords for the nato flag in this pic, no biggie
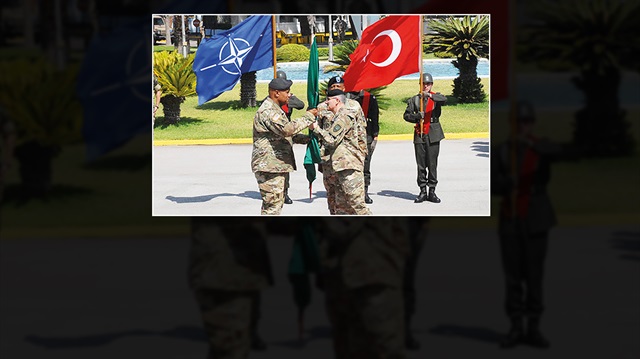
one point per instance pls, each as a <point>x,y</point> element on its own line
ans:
<point>221,59</point>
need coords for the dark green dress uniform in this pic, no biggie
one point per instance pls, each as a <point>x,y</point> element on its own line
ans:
<point>427,141</point>
<point>526,217</point>
<point>418,231</point>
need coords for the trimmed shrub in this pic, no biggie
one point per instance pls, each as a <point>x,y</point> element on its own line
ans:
<point>292,52</point>
<point>323,52</point>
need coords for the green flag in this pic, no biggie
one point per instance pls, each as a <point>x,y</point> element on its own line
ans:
<point>305,259</point>
<point>313,148</point>
<point>313,76</point>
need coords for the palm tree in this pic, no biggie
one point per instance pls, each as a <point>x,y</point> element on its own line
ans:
<point>341,55</point>
<point>342,61</point>
<point>177,33</point>
<point>598,38</point>
<point>248,89</point>
<point>467,38</point>
<point>42,104</point>
<point>176,76</point>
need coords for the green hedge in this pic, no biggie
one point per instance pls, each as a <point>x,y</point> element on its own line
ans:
<point>323,52</point>
<point>439,55</point>
<point>292,52</point>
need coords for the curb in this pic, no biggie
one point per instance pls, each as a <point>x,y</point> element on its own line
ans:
<point>236,141</point>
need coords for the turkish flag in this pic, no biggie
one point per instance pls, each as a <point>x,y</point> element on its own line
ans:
<point>388,49</point>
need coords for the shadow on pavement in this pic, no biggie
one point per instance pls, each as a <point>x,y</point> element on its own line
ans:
<point>317,332</point>
<point>482,147</point>
<point>475,333</point>
<point>629,242</point>
<point>183,332</point>
<point>205,198</point>
<point>316,196</point>
<point>397,194</point>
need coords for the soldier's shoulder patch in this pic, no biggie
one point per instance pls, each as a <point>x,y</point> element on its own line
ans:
<point>337,128</point>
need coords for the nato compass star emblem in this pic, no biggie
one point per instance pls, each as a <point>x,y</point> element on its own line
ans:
<point>231,55</point>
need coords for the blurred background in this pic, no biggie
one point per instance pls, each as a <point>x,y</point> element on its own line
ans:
<point>87,272</point>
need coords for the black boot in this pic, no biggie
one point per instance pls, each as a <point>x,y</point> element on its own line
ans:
<point>432,195</point>
<point>410,341</point>
<point>515,335</point>
<point>422,196</point>
<point>367,199</point>
<point>534,335</point>
<point>287,200</point>
<point>257,343</point>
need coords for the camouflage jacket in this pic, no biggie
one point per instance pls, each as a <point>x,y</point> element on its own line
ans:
<point>229,254</point>
<point>272,150</point>
<point>345,142</point>
<point>365,251</point>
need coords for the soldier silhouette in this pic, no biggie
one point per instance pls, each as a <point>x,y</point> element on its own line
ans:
<point>362,261</point>
<point>229,265</point>
<point>526,217</point>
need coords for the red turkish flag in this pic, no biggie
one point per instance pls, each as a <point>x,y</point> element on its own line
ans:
<point>389,48</point>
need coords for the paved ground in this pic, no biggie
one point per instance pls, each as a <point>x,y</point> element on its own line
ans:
<point>128,298</point>
<point>217,181</point>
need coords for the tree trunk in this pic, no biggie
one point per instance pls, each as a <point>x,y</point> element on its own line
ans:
<point>171,108</point>
<point>600,128</point>
<point>35,168</point>
<point>177,32</point>
<point>167,29</point>
<point>248,89</point>
<point>467,87</point>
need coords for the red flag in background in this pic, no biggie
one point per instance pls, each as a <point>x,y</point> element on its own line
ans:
<point>389,48</point>
<point>499,34</point>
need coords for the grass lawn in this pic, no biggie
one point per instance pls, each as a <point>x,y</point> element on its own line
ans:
<point>223,118</point>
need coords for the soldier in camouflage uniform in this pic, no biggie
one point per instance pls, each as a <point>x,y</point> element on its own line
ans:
<point>325,121</point>
<point>346,146</point>
<point>363,262</point>
<point>370,111</point>
<point>294,102</point>
<point>228,267</point>
<point>272,156</point>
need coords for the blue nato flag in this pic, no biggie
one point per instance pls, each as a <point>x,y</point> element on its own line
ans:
<point>223,58</point>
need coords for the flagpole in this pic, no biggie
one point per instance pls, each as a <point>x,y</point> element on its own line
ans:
<point>513,113</point>
<point>273,38</point>
<point>420,67</point>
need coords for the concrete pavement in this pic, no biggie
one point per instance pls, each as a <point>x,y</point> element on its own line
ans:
<point>217,181</point>
<point>127,297</point>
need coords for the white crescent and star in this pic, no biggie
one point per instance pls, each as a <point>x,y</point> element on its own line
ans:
<point>395,49</point>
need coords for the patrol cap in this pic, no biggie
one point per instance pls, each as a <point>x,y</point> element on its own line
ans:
<point>281,74</point>
<point>334,92</point>
<point>335,80</point>
<point>280,84</point>
<point>426,77</point>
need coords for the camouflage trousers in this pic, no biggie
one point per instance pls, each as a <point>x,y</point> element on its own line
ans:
<point>367,322</point>
<point>330,183</point>
<point>272,191</point>
<point>226,316</point>
<point>349,194</point>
